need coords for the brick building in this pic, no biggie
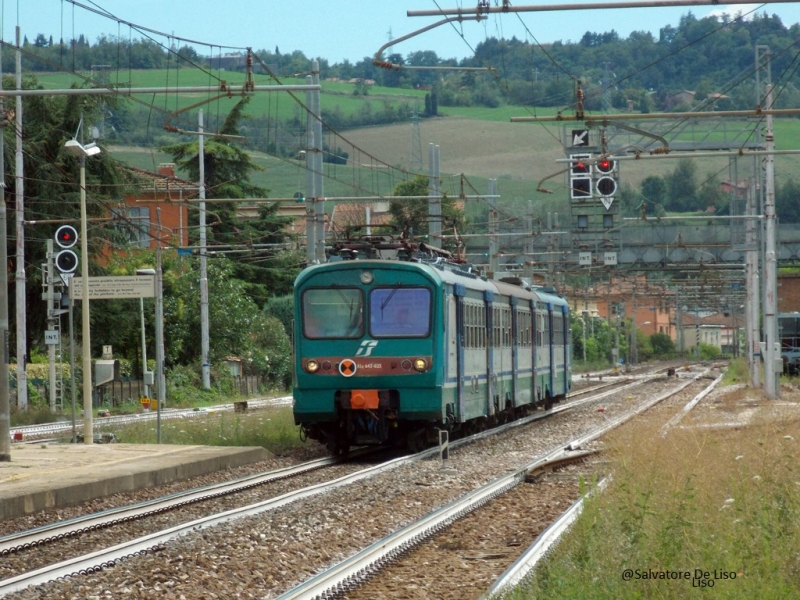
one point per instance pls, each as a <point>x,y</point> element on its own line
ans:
<point>160,197</point>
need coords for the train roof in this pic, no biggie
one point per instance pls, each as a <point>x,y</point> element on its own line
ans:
<point>551,297</point>
<point>444,272</point>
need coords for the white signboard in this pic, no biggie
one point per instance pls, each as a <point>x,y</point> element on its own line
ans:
<point>585,259</point>
<point>607,202</point>
<point>108,288</point>
<point>51,337</point>
<point>610,258</point>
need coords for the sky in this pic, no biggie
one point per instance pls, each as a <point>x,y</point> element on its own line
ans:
<point>337,29</point>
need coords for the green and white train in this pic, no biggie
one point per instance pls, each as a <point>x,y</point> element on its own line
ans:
<point>391,351</point>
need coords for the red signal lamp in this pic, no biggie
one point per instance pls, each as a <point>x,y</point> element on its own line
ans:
<point>605,165</point>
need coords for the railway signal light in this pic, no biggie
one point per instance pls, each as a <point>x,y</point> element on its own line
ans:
<point>580,179</point>
<point>66,236</point>
<point>66,260</point>
<point>606,183</point>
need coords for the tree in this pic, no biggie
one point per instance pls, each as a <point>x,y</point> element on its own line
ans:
<point>654,190</point>
<point>413,214</point>
<point>238,326</point>
<point>682,187</point>
<point>787,202</point>
<point>227,169</point>
<point>52,186</point>
<point>662,345</point>
<point>395,77</point>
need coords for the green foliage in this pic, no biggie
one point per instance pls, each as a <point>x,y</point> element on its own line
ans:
<point>412,215</point>
<point>52,185</point>
<point>708,352</point>
<point>282,308</point>
<point>227,175</point>
<point>717,502</point>
<point>236,324</point>
<point>273,429</point>
<point>644,348</point>
<point>682,187</point>
<point>662,345</point>
<point>36,414</point>
<point>737,372</point>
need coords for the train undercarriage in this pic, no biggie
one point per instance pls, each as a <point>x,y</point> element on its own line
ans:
<point>379,424</point>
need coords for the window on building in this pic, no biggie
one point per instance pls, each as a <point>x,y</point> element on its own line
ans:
<point>133,226</point>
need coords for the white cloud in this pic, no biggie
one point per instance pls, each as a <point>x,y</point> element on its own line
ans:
<point>736,10</point>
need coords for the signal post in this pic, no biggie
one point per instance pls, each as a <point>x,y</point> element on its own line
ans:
<point>65,261</point>
<point>594,216</point>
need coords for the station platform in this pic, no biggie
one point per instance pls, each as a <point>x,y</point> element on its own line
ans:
<point>44,476</point>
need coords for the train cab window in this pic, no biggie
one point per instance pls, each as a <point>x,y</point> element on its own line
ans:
<point>400,312</point>
<point>330,313</point>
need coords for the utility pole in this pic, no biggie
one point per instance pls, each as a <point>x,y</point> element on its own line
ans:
<point>22,331</point>
<point>204,342</point>
<point>311,195</point>
<point>319,195</point>
<point>434,198</point>
<point>161,383</point>
<point>5,406</point>
<point>494,229</point>
<point>634,358</point>
<point>51,324</point>
<point>753,304</point>
<point>415,152</point>
<point>772,354</point>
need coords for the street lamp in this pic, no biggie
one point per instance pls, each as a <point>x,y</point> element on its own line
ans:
<point>81,151</point>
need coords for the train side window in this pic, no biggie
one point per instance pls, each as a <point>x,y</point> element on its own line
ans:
<point>482,322</point>
<point>470,326</point>
<point>523,320</point>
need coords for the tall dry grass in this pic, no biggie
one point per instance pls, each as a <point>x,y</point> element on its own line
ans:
<point>721,504</point>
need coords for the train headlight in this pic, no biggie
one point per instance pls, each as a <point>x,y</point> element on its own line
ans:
<point>420,364</point>
<point>366,277</point>
<point>312,366</point>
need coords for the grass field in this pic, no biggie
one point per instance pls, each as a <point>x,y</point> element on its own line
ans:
<point>272,428</point>
<point>719,504</point>
<point>336,95</point>
<point>476,142</point>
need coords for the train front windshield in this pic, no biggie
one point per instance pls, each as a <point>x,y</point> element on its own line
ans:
<point>399,312</point>
<point>333,313</point>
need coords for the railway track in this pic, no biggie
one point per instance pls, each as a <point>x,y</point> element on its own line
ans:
<point>155,541</point>
<point>342,579</point>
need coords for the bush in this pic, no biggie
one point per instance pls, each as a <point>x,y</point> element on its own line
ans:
<point>709,352</point>
<point>282,308</point>
<point>662,345</point>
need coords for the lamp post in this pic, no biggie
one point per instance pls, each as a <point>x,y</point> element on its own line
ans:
<point>81,151</point>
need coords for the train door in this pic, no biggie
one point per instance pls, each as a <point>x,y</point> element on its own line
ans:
<point>451,351</point>
<point>488,298</point>
<point>534,353</point>
<point>551,344</point>
<point>514,350</point>
<point>459,291</point>
<point>565,348</point>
